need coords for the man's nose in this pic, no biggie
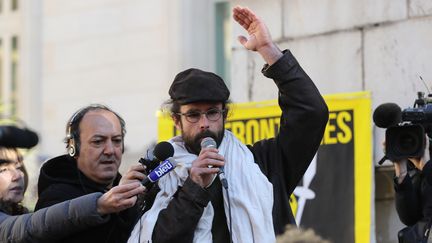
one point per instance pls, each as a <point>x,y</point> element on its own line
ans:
<point>109,147</point>
<point>204,121</point>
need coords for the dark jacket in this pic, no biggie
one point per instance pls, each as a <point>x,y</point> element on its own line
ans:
<point>61,180</point>
<point>414,196</point>
<point>283,159</point>
<point>53,222</point>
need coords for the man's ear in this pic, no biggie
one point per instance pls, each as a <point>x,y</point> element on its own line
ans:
<point>177,121</point>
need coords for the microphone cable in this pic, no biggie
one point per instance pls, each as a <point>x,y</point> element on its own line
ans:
<point>224,183</point>
<point>229,211</point>
<point>209,142</point>
<point>139,235</point>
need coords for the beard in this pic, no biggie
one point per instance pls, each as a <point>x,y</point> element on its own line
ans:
<point>193,144</point>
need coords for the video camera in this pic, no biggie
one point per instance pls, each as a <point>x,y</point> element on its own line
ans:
<point>406,129</point>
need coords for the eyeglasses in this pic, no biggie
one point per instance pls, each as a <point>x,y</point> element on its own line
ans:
<point>195,116</point>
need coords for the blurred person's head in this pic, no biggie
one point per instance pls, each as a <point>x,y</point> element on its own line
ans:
<point>293,234</point>
<point>13,181</point>
<point>95,136</point>
<point>199,106</point>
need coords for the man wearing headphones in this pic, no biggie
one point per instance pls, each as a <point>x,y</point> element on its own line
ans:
<point>94,142</point>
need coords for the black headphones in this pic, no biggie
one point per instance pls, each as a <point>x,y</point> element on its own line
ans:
<point>72,139</point>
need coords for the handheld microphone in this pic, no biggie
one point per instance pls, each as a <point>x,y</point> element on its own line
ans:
<point>155,155</point>
<point>209,142</point>
<point>164,168</point>
<point>14,137</point>
<point>161,152</point>
<point>387,115</point>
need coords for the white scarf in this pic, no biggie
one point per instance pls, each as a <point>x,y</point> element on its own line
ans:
<point>250,194</point>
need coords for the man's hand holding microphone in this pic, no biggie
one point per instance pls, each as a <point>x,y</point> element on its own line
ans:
<point>208,164</point>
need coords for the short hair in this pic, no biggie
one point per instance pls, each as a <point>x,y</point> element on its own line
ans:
<point>293,234</point>
<point>72,139</point>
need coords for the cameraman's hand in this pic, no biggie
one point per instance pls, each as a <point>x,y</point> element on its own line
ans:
<point>419,163</point>
<point>400,166</point>
<point>401,170</point>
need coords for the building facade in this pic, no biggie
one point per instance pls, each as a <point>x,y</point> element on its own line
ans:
<point>59,55</point>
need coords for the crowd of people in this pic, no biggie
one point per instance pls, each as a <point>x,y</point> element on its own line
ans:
<point>230,192</point>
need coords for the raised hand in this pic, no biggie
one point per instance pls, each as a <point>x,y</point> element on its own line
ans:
<point>259,36</point>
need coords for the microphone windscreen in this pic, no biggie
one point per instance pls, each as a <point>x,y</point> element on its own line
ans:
<point>208,142</point>
<point>387,115</point>
<point>163,150</point>
<point>14,137</point>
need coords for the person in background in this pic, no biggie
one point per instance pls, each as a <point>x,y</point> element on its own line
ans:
<point>294,234</point>
<point>413,192</point>
<point>13,181</point>
<point>193,205</point>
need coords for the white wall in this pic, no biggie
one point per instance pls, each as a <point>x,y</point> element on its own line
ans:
<point>346,46</point>
<point>119,53</point>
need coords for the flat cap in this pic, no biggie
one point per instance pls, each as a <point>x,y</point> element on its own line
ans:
<point>195,85</point>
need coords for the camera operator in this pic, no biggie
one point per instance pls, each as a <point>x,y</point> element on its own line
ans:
<point>408,134</point>
<point>413,188</point>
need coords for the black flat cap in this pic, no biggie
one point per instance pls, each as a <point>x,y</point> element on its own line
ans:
<point>195,85</point>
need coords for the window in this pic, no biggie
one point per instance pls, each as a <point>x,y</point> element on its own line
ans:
<point>14,75</point>
<point>223,40</point>
<point>1,72</point>
<point>14,5</point>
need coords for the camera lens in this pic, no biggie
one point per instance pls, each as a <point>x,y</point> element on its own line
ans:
<point>407,143</point>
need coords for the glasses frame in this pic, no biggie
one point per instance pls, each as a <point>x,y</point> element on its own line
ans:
<point>201,113</point>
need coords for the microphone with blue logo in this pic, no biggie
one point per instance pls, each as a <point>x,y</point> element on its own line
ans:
<point>163,151</point>
<point>156,154</point>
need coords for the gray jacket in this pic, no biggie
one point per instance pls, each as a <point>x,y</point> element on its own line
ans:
<point>53,222</point>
